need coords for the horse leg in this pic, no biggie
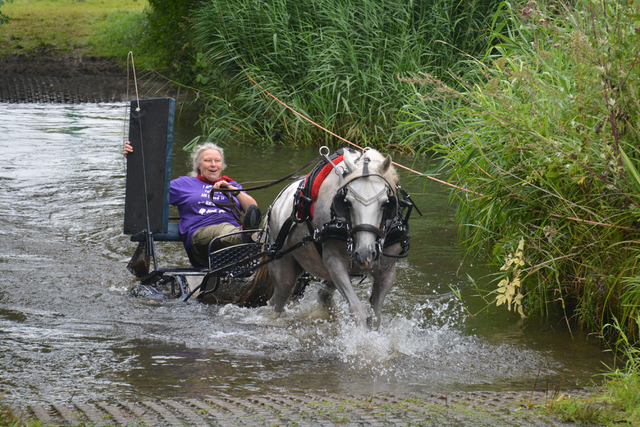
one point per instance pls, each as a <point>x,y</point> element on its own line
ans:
<point>325,294</point>
<point>339,271</point>
<point>384,276</point>
<point>284,273</point>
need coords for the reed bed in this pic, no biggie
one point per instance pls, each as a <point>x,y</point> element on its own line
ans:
<point>544,134</point>
<point>334,61</point>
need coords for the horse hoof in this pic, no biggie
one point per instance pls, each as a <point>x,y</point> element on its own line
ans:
<point>373,323</point>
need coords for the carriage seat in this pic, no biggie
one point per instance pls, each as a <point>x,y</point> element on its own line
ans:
<point>172,235</point>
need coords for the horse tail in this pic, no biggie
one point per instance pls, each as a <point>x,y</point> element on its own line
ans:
<point>259,290</point>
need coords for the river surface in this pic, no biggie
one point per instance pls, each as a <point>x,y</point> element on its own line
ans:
<point>69,331</point>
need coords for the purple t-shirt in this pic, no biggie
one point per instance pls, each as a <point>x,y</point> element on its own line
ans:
<point>191,197</point>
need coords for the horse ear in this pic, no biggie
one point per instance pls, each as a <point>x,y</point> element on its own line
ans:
<point>384,167</point>
<point>349,161</point>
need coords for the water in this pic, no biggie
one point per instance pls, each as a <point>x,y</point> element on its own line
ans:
<point>68,330</point>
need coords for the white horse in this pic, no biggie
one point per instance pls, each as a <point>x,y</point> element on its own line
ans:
<point>353,211</point>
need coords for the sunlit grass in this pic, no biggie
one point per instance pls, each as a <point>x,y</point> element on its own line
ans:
<point>65,25</point>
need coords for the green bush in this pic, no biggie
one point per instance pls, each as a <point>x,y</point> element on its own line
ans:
<point>169,35</point>
<point>122,32</point>
<point>336,61</point>
<point>4,19</point>
<point>545,136</point>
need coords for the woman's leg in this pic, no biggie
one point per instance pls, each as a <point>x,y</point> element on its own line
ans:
<point>201,239</point>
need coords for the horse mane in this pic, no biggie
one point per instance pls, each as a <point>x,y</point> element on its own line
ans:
<point>377,159</point>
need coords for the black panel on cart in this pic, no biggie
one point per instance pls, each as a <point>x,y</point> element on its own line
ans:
<point>149,166</point>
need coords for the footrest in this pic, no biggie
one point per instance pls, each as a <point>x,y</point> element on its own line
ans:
<point>236,260</point>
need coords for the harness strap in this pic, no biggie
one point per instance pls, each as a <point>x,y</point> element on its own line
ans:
<point>338,227</point>
<point>317,180</point>
<point>306,239</point>
<point>286,228</point>
<point>307,193</point>
<point>284,232</point>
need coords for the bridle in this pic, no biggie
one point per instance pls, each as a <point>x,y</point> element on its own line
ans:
<point>341,210</point>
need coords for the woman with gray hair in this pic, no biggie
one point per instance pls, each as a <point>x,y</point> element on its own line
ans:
<point>204,212</point>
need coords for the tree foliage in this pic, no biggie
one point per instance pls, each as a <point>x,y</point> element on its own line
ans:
<point>169,37</point>
<point>4,19</point>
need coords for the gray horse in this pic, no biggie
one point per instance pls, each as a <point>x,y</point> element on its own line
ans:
<point>365,185</point>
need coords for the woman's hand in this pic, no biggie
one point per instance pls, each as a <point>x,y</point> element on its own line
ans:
<point>224,185</point>
<point>127,148</point>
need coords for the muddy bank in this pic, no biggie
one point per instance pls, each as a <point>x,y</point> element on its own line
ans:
<point>70,78</point>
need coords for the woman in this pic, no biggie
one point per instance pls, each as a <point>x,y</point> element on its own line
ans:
<point>201,218</point>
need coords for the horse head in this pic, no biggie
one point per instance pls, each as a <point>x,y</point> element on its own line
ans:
<point>367,202</point>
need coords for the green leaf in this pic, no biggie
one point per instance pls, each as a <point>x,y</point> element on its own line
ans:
<point>552,175</point>
<point>631,169</point>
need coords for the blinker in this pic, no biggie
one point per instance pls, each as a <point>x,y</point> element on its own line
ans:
<point>340,205</point>
<point>391,208</point>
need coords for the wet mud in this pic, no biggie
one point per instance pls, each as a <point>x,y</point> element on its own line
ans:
<point>69,78</point>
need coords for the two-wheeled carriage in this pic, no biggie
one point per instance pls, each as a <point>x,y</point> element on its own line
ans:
<point>325,225</point>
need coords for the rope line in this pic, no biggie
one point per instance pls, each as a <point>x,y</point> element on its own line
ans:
<point>357,146</point>
<point>135,80</point>
<point>422,174</point>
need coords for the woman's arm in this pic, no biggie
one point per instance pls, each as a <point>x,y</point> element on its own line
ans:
<point>244,199</point>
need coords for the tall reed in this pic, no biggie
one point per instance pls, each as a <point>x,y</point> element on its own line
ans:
<point>335,61</point>
<point>545,134</point>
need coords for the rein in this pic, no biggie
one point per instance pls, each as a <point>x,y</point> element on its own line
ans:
<point>277,181</point>
<point>232,207</point>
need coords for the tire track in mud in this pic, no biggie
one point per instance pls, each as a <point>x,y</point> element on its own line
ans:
<point>291,409</point>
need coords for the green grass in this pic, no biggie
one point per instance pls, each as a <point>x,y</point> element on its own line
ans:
<point>619,401</point>
<point>81,27</point>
